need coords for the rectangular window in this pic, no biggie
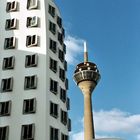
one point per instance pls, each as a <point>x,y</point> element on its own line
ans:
<point>59,21</point>
<point>53,86</point>
<point>30,82</point>
<point>29,106</point>
<point>64,48</point>
<point>5,108</point>
<point>68,104</point>
<point>11,24</point>
<point>54,133</point>
<point>61,55</point>
<point>32,21</point>
<point>51,11</point>
<point>4,132</point>
<point>10,43</point>
<point>32,4</point>
<point>63,32</point>
<point>53,65</point>
<point>11,6</point>
<point>63,94</point>
<point>53,45</point>
<point>60,38</point>
<point>64,137</point>
<point>69,124</point>
<point>52,27</point>
<point>27,132</point>
<point>67,83</point>
<point>64,117</point>
<point>7,85</point>
<point>54,109</point>
<point>8,63</point>
<point>62,74</point>
<point>31,60</point>
<point>32,41</point>
<point>65,65</point>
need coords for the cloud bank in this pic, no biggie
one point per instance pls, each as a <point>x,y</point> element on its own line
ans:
<point>74,49</point>
<point>113,122</point>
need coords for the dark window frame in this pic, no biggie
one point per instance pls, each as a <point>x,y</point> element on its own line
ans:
<point>31,60</point>
<point>51,10</point>
<point>7,84</point>
<point>5,108</point>
<point>8,63</point>
<point>30,82</point>
<point>54,109</point>
<point>10,43</point>
<point>11,6</point>
<point>53,86</point>
<point>53,65</point>
<point>4,132</point>
<point>29,106</point>
<point>28,132</point>
<point>54,133</point>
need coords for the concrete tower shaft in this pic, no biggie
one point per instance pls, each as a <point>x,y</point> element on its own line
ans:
<point>86,77</point>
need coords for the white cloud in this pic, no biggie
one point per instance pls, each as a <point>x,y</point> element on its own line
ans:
<point>111,122</point>
<point>74,49</point>
<point>116,121</point>
<point>78,136</point>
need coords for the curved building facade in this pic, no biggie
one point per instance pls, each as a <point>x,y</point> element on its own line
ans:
<point>33,84</point>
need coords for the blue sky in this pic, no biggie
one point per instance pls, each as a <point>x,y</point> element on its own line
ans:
<point>112,31</point>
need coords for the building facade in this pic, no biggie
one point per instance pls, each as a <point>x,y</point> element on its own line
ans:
<point>33,84</point>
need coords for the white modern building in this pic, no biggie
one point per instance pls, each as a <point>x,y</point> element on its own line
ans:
<point>33,84</point>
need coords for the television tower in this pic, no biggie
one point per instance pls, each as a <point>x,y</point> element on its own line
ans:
<point>86,77</point>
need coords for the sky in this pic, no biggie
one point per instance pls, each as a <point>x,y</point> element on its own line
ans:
<point>112,31</point>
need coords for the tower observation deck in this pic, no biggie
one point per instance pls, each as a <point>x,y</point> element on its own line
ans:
<point>87,77</point>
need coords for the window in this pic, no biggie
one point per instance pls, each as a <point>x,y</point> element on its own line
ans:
<point>54,134</point>
<point>65,65</point>
<point>60,38</point>
<point>53,45</point>
<point>63,32</point>
<point>67,83</point>
<point>11,24</point>
<point>53,86</point>
<point>4,132</point>
<point>59,21</point>
<point>7,85</point>
<point>69,124</point>
<point>68,104</point>
<point>31,60</point>
<point>5,108</point>
<point>64,117</point>
<point>32,41</point>
<point>10,43</point>
<point>52,27</point>
<point>64,137</point>
<point>27,132</point>
<point>32,21</point>
<point>30,82</point>
<point>29,106</point>
<point>64,48</point>
<point>61,55</point>
<point>32,4</point>
<point>8,63</point>
<point>51,10</point>
<point>62,74</point>
<point>53,65</point>
<point>11,6</point>
<point>63,95</point>
<point>54,109</point>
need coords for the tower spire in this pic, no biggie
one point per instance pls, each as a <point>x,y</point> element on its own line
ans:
<point>85,52</point>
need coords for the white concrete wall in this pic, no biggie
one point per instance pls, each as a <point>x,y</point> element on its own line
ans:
<point>41,118</point>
